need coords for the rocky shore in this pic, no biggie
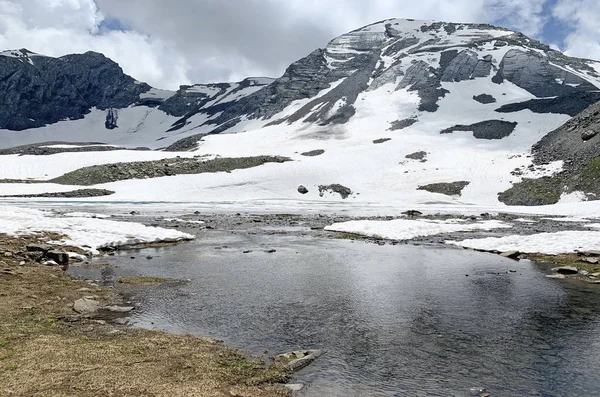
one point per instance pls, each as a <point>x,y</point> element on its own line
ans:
<point>70,337</point>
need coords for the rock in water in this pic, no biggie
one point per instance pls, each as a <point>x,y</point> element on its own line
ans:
<point>302,189</point>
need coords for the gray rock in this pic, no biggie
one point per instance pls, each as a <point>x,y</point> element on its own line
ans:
<point>589,134</point>
<point>401,124</point>
<point>511,254</point>
<point>153,169</point>
<point>571,104</point>
<point>447,188</point>
<point>119,309</point>
<point>466,66</point>
<point>335,188</point>
<point>420,155</point>
<point>35,91</point>
<point>490,129</point>
<point>484,98</point>
<point>381,140</point>
<point>70,194</point>
<point>294,386</point>
<point>302,189</point>
<point>313,153</point>
<point>86,306</point>
<point>60,257</point>
<point>566,270</point>
<point>299,359</point>
<point>38,248</point>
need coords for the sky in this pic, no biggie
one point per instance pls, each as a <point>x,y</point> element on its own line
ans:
<point>170,43</point>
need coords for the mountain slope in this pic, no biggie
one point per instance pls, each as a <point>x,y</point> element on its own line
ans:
<point>400,111</point>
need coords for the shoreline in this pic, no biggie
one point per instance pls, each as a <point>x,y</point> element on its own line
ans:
<point>60,351</point>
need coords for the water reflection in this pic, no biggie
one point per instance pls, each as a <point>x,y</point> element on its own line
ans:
<point>393,320</point>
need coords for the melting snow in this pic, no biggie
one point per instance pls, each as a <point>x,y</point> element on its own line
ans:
<point>544,243</point>
<point>83,231</point>
<point>405,229</point>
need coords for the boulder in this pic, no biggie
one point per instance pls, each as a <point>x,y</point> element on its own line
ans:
<point>60,257</point>
<point>299,359</point>
<point>302,189</point>
<point>566,270</point>
<point>511,254</point>
<point>38,248</point>
<point>86,306</point>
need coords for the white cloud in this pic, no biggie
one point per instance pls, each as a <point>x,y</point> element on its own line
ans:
<point>179,42</point>
<point>581,16</point>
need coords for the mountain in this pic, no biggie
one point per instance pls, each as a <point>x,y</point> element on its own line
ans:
<point>398,111</point>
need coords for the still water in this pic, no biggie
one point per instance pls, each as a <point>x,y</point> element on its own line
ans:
<point>392,320</point>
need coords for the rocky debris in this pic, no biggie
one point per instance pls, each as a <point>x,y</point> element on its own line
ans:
<point>566,270</point>
<point>42,149</point>
<point>47,255</point>
<point>484,98</point>
<point>80,193</point>
<point>335,188</point>
<point>420,155</point>
<point>105,173</point>
<point>532,192</point>
<point>45,90</point>
<point>186,144</point>
<point>86,306</point>
<point>447,188</point>
<point>401,124</point>
<point>581,163</point>
<point>302,189</point>
<point>298,359</point>
<point>490,129</point>
<point>313,153</point>
<point>381,140</point>
<point>412,213</point>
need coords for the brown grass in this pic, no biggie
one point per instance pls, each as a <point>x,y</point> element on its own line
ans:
<point>566,260</point>
<point>41,355</point>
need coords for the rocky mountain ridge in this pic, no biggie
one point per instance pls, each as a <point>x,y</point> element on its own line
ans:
<point>391,108</point>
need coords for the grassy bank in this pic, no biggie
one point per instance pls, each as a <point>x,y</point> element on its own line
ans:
<point>46,349</point>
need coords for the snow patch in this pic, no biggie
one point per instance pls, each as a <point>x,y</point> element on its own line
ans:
<point>86,232</point>
<point>544,243</point>
<point>405,229</point>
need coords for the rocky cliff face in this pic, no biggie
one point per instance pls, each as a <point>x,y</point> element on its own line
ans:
<point>37,90</point>
<point>417,56</point>
<point>423,57</point>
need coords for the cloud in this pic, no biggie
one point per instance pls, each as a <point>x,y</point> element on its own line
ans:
<point>581,16</point>
<point>184,41</point>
